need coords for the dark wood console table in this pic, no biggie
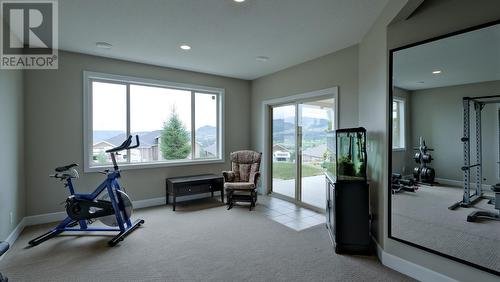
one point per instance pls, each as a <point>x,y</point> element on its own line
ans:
<point>191,185</point>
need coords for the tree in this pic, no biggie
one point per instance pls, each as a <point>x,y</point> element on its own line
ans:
<point>174,144</point>
<point>101,158</point>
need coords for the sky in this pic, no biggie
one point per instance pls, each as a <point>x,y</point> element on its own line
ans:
<point>150,107</point>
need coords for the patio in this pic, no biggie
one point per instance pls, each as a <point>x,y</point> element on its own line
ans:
<point>313,189</point>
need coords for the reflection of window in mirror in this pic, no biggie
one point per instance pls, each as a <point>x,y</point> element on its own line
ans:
<point>398,124</point>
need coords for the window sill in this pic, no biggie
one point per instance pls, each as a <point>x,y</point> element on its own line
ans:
<point>398,149</point>
<point>153,165</point>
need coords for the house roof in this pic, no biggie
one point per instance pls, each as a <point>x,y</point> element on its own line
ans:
<point>103,142</point>
<point>316,152</point>
<point>280,147</point>
<point>147,139</point>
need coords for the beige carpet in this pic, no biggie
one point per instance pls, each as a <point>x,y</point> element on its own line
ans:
<point>424,219</point>
<point>199,242</point>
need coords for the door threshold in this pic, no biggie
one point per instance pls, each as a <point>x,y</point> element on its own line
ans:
<point>297,203</point>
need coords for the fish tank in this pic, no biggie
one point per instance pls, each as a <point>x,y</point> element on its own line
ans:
<point>330,159</point>
<point>348,154</point>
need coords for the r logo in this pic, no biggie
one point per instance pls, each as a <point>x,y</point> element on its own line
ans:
<point>29,31</point>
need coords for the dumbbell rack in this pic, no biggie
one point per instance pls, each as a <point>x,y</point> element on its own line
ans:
<point>423,164</point>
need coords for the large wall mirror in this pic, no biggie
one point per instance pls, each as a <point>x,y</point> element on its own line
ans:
<point>445,146</point>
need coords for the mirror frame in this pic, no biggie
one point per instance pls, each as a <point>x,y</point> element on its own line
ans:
<point>389,143</point>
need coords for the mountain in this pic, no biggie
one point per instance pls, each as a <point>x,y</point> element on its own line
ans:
<point>206,135</point>
<point>280,125</point>
<point>308,122</point>
<point>206,131</point>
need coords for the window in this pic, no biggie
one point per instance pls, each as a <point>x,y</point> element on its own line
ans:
<point>398,124</point>
<point>176,123</point>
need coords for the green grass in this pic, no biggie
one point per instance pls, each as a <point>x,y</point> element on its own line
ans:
<point>287,170</point>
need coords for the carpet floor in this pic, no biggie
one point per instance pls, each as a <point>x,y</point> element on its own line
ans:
<point>424,219</point>
<point>202,241</point>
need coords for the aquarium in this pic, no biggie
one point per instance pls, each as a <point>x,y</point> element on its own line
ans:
<point>329,163</point>
<point>350,154</point>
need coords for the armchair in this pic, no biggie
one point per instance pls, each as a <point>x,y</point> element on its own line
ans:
<point>241,182</point>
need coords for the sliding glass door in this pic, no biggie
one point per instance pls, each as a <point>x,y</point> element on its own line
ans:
<point>284,148</point>
<point>315,120</point>
<point>299,150</point>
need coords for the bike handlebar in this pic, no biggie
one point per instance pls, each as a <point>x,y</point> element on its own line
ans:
<point>125,145</point>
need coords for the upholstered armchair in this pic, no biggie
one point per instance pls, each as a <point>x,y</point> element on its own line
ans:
<point>241,182</point>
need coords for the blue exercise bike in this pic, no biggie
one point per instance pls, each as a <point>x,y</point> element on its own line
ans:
<point>108,203</point>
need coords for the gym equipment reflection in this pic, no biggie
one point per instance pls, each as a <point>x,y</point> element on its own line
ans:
<point>444,194</point>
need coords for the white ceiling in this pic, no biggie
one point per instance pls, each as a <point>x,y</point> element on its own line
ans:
<point>225,36</point>
<point>467,58</point>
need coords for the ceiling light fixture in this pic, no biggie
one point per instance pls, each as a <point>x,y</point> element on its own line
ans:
<point>185,47</point>
<point>103,45</point>
<point>437,72</point>
<point>262,58</point>
<point>239,1</point>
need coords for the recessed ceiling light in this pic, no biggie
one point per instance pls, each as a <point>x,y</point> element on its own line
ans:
<point>239,1</point>
<point>436,72</point>
<point>185,47</point>
<point>104,45</point>
<point>262,58</point>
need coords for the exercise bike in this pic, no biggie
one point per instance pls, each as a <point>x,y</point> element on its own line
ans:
<point>108,203</point>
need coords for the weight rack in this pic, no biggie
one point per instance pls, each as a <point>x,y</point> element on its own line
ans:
<point>471,197</point>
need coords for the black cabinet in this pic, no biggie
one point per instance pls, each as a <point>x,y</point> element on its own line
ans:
<point>192,185</point>
<point>347,193</point>
<point>348,217</point>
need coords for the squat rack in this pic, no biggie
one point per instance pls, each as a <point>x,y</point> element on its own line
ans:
<point>471,197</point>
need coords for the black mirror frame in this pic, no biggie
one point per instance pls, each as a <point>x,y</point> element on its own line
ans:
<point>389,144</point>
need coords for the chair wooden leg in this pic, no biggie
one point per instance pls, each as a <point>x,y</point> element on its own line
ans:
<point>230,199</point>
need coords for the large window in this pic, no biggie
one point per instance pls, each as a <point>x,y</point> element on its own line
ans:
<point>176,123</point>
<point>398,124</point>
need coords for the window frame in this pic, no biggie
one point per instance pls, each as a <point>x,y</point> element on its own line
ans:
<point>90,76</point>
<point>402,124</point>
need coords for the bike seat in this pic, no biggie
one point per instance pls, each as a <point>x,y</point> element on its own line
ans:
<point>65,168</point>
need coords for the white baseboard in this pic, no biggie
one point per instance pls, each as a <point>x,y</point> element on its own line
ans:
<point>44,218</point>
<point>15,234</point>
<point>456,183</point>
<point>411,269</point>
<point>140,204</point>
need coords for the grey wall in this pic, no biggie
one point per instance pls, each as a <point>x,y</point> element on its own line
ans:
<point>435,18</point>
<point>373,100</point>
<point>12,190</point>
<point>336,69</point>
<point>402,161</point>
<point>54,127</point>
<point>442,127</point>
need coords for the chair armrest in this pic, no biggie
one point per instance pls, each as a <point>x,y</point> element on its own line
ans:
<point>228,176</point>
<point>254,177</point>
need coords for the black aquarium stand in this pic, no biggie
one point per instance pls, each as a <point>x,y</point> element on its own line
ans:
<point>348,217</point>
<point>347,193</point>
